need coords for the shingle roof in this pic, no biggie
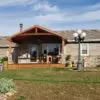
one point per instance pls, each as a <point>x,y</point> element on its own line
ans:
<point>93,35</point>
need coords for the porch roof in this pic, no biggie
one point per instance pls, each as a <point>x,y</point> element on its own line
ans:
<point>36,34</point>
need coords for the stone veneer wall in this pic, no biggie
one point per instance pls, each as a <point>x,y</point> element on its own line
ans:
<point>91,60</point>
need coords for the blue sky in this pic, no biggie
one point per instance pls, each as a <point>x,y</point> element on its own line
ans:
<point>53,14</point>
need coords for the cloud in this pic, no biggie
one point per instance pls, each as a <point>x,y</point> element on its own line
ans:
<point>94,6</point>
<point>67,18</point>
<point>45,7</point>
<point>92,13</point>
<point>4,3</point>
<point>47,14</point>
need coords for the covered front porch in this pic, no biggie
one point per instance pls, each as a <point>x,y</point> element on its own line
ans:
<point>39,53</point>
<point>36,45</point>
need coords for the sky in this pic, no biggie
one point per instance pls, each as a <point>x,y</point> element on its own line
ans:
<point>52,14</point>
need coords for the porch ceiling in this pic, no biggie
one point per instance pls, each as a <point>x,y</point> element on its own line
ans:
<point>37,39</point>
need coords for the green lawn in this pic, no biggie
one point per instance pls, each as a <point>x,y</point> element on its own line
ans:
<point>54,84</point>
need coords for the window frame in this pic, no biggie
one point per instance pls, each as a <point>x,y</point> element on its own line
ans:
<point>81,48</point>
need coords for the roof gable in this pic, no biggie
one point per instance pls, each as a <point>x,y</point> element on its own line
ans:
<point>36,29</point>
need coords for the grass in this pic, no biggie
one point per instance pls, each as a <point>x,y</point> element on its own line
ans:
<point>52,75</point>
<point>54,84</point>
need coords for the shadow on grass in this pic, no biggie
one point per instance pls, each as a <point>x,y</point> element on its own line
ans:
<point>58,81</point>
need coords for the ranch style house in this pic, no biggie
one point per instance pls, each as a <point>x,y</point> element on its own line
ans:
<point>41,46</point>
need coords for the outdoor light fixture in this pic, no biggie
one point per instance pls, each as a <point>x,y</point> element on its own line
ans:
<point>79,37</point>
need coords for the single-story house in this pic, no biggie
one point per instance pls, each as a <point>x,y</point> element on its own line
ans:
<point>39,45</point>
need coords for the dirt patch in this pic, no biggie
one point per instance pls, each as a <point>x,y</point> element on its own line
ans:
<point>3,97</point>
<point>62,91</point>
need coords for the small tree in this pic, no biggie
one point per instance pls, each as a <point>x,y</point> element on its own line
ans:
<point>68,57</point>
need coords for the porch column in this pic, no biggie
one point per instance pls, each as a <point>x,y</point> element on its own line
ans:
<point>37,48</point>
<point>63,58</point>
<point>10,53</point>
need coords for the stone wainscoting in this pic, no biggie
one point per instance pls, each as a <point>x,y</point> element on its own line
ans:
<point>88,61</point>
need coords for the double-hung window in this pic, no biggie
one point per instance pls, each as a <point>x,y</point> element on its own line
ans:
<point>84,49</point>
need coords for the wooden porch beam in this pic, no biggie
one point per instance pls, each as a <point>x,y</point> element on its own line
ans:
<point>28,34</point>
<point>36,30</point>
<point>10,47</point>
<point>63,45</point>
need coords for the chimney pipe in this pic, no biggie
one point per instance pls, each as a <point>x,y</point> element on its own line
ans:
<point>21,27</point>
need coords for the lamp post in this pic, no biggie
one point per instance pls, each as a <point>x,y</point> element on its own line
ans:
<point>79,37</point>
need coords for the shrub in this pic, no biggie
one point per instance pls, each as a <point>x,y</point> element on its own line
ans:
<point>98,65</point>
<point>1,60</point>
<point>5,58</point>
<point>6,85</point>
<point>68,57</point>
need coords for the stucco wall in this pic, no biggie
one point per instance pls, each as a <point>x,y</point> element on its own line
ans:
<point>3,52</point>
<point>94,49</point>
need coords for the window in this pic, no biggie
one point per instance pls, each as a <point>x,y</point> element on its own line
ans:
<point>53,49</point>
<point>84,49</point>
<point>33,53</point>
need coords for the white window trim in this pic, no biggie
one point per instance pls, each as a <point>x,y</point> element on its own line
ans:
<point>87,49</point>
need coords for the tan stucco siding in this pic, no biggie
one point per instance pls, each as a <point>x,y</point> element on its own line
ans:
<point>3,52</point>
<point>71,49</point>
<point>94,49</point>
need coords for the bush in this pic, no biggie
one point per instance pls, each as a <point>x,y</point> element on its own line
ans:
<point>1,60</point>
<point>6,85</point>
<point>97,65</point>
<point>68,57</point>
<point>5,58</point>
